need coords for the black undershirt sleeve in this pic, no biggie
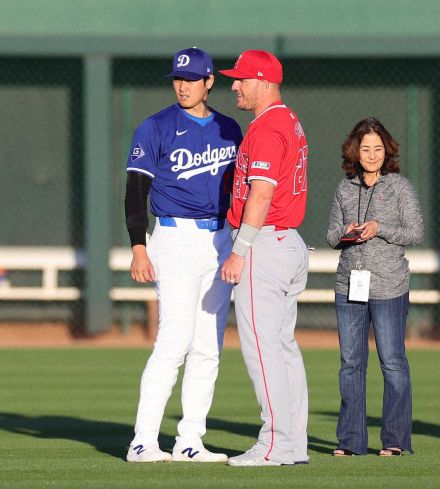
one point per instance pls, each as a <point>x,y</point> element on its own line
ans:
<point>136,214</point>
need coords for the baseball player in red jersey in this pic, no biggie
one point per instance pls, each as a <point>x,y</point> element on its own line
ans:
<point>269,260</point>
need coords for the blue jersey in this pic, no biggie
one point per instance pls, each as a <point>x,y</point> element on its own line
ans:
<point>191,165</point>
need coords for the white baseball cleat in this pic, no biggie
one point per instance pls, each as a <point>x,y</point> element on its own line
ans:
<point>197,453</point>
<point>147,454</point>
<point>251,458</point>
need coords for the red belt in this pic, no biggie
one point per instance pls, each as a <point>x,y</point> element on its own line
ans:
<point>276,228</point>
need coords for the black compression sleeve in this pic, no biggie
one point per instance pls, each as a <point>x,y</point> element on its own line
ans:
<point>136,215</point>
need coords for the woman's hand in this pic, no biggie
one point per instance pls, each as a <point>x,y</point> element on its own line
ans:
<point>369,230</point>
<point>351,227</point>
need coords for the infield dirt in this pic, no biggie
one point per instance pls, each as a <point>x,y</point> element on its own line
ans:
<point>16,335</point>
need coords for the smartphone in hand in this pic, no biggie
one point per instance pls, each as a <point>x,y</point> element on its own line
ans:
<point>353,235</point>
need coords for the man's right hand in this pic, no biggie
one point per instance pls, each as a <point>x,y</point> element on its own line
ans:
<point>232,269</point>
<point>142,269</point>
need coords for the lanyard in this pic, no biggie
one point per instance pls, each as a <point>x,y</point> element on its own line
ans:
<point>359,261</point>
<point>368,205</point>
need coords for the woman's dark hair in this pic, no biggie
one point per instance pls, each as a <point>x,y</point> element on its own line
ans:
<point>351,146</point>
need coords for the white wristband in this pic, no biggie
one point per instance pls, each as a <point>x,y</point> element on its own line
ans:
<point>244,239</point>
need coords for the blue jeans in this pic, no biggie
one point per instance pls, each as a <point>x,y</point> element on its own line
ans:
<point>389,323</point>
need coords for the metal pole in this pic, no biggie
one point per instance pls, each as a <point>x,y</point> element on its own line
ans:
<point>412,96</point>
<point>98,169</point>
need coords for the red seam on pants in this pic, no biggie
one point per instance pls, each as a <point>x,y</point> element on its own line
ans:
<point>261,360</point>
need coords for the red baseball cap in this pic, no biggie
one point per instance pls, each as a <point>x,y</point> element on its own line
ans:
<point>257,64</point>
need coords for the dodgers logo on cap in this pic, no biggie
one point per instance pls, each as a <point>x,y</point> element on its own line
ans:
<point>183,60</point>
<point>192,64</point>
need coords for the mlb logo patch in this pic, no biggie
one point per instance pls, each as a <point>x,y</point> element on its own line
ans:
<point>137,152</point>
<point>262,165</point>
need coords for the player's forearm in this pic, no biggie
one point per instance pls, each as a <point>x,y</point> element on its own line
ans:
<point>139,251</point>
<point>258,204</point>
<point>256,210</point>
<point>254,216</point>
<point>136,216</point>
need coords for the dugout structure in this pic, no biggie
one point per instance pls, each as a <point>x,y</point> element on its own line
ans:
<point>76,79</point>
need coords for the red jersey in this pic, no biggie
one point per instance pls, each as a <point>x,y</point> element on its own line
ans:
<point>274,149</point>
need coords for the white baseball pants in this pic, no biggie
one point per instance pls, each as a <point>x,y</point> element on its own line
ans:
<point>275,274</point>
<point>193,308</point>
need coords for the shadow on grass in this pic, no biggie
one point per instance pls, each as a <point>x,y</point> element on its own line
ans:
<point>113,438</point>
<point>107,437</point>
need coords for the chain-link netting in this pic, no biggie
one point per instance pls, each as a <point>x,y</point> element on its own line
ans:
<point>42,158</point>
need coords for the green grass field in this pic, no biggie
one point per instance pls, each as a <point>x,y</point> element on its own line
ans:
<point>66,418</point>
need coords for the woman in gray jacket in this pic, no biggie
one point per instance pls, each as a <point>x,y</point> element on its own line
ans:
<point>374,215</point>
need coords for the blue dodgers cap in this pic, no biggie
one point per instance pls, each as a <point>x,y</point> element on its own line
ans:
<point>192,63</point>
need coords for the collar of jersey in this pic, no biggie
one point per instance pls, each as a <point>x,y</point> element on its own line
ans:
<point>276,105</point>
<point>197,120</point>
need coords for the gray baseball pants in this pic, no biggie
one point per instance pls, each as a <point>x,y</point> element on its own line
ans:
<point>266,298</point>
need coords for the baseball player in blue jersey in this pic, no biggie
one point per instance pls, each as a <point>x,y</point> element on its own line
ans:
<point>183,159</point>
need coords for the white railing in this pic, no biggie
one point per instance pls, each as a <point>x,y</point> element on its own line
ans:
<point>52,260</point>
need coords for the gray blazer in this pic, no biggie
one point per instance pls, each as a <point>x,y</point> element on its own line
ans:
<point>395,205</point>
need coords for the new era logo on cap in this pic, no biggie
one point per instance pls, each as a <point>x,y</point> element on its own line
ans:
<point>192,63</point>
<point>257,64</point>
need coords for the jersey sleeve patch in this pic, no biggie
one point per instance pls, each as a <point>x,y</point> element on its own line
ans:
<point>137,152</point>
<point>262,165</point>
